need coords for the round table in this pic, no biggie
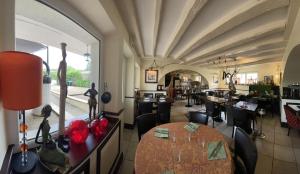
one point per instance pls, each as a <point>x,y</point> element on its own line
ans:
<point>158,155</point>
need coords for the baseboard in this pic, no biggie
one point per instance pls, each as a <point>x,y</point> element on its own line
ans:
<point>128,126</point>
<point>282,124</point>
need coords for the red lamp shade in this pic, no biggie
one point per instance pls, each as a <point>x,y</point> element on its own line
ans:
<point>21,80</point>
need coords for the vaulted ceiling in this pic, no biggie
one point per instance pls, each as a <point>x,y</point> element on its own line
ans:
<point>206,32</point>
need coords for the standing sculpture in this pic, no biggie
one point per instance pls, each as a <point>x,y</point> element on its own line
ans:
<point>231,86</point>
<point>91,93</point>
<point>52,157</point>
<point>62,75</point>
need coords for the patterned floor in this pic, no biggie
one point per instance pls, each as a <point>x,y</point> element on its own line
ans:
<point>277,154</point>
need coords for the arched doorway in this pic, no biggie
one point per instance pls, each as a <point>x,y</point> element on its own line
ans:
<point>291,70</point>
<point>183,77</point>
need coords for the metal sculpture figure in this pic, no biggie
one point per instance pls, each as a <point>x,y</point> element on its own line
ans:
<point>62,75</point>
<point>92,101</point>
<point>231,86</point>
<point>50,155</point>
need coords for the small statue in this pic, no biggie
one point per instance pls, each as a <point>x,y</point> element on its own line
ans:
<point>62,75</point>
<point>50,155</point>
<point>231,86</point>
<point>92,100</point>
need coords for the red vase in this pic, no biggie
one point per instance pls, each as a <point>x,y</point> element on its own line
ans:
<point>98,127</point>
<point>104,122</point>
<point>78,131</point>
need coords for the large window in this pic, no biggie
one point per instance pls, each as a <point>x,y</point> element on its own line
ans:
<point>40,30</point>
<point>244,78</point>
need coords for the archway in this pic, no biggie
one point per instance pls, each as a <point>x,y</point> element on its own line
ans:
<point>291,70</point>
<point>189,75</point>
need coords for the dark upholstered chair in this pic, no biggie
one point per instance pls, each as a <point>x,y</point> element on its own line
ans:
<point>163,112</point>
<point>245,152</point>
<point>145,108</point>
<point>198,117</point>
<point>241,119</point>
<point>229,114</point>
<point>212,110</point>
<point>148,95</point>
<point>145,122</point>
<point>293,121</point>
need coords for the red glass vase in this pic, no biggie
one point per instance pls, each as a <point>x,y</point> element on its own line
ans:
<point>99,126</point>
<point>78,131</point>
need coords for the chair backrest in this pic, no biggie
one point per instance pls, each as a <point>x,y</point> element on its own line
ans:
<point>198,117</point>
<point>158,95</point>
<point>145,107</point>
<point>241,119</point>
<point>245,149</point>
<point>211,109</point>
<point>164,111</point>
<point>148,95</point>
<point>292,120</point>
<point>145,122</point>
<point>242,98</point>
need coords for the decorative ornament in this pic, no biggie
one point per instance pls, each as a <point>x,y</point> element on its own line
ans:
<point>78,131</point>
<point>99,126</point>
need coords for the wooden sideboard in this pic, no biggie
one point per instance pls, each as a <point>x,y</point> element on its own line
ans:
<point>95,156</point>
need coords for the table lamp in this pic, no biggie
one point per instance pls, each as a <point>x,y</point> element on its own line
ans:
<point>21,89</point>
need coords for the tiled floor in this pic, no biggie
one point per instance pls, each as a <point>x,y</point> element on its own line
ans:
<point>277,153</point>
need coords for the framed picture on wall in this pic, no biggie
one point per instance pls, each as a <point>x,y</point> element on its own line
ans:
<point>151,76</point>
<point>215,79</point>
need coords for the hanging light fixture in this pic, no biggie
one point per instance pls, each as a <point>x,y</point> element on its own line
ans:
<point>87,55</point>
<point>153,66</point>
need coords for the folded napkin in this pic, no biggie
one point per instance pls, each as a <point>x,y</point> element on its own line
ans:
<point>161,132</point>
<point>191,127</point>
<point>216,150</point>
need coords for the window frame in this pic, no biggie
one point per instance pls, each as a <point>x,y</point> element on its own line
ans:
<point>31,141</point>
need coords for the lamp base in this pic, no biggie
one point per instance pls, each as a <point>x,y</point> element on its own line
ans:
<point>17,162</point>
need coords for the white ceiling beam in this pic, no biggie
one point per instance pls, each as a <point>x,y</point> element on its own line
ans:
<point>292,13</point>
<point>242,61</point>
<point>187,16</point>
<point>114,15</point>
<point>136,35</point>
<point>264,52</point>
<point>158,7</point>
<point>249,10</point>
<point>267,42</point>
<point>240,39</point>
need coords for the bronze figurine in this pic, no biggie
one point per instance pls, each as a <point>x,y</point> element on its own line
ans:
<point>91,93</point>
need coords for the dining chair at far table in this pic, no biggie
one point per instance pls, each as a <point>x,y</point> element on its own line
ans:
<point>245,152</point>
<point>148,95</point>
<point>145,107</point>
<point>198,117</point>
<point>145,122</point>
<point>212,110</point>
<point>240,119</point>
<point>293,120</point>
<point>163,112</point>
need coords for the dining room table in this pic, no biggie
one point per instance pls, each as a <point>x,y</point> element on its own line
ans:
<point>250,108</point>
<point>246,106</point>
<point>182,151</point>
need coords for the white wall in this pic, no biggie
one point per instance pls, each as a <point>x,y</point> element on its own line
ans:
<point>291,64</point>
<point>112,61</point>
<point>206,73</point>
<point>8,119</point>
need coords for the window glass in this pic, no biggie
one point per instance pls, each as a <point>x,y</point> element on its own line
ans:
<point>38,33</point>
<point>252,78</point>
